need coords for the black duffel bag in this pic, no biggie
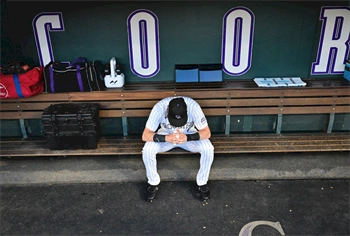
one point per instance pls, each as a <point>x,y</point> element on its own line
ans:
<point>78,76</point>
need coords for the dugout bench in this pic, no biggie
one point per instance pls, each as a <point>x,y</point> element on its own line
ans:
<point>226,99</point>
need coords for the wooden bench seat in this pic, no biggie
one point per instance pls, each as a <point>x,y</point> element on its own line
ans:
<point>224,144</point>
<point>216,99</point>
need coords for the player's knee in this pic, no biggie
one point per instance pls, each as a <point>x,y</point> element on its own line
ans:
<point>149,150</point>
<point>208,148</point>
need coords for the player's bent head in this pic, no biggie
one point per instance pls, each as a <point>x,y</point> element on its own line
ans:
<point>177,115</point>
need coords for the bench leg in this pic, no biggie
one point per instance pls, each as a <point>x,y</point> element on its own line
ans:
<point>125,126</point>
<point>23,128</point>
<point>279,124</point>
<point>330,123</point>
<point>28,127</point>
<point>227,124</point>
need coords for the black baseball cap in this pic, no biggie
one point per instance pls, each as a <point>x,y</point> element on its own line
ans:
<point>177,112</point>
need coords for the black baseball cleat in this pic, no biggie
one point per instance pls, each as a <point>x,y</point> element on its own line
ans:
<point>151,192</point>
<point>204,192</point>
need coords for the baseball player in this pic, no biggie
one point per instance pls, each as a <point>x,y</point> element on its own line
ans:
<point>177,122</point>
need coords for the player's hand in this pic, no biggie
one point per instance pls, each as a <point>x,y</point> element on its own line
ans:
<point>179,137</point>
<point>171,138</point>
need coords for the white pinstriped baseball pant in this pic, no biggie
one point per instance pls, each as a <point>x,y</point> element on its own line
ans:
<point>204,147</point>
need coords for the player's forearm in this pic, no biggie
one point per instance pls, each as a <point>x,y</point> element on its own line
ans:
<point>150,136</point>
<point>204,133</point>
<point>147,135</point>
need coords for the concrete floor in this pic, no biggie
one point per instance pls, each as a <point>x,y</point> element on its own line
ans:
<point>267,194</point>
<point>282,207</point>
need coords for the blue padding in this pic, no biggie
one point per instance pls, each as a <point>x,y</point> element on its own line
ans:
<point>210,76</point>
<point>186,76</point>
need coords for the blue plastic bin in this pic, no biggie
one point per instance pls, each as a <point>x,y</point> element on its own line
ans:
<point>186,73</point>
<point>210,73</point>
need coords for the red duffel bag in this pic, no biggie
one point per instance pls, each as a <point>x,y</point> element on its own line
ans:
<point>22,85</point>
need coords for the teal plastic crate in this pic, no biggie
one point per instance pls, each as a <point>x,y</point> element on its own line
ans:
<point>347,70</point>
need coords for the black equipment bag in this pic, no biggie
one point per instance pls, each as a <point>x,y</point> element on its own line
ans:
<point>71,126</point>
<point>15,67</point>
<point>78,76</point>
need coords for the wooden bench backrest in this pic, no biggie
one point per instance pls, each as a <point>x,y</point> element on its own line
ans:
<point>214,102</point>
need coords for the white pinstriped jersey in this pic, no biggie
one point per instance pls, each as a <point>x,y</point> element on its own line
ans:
<point>159,116</point>
<point>196,121</point>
